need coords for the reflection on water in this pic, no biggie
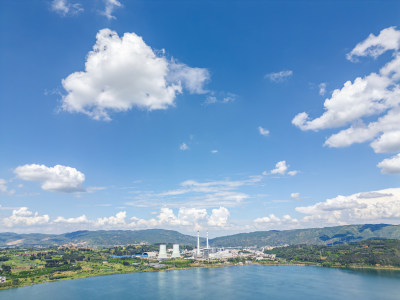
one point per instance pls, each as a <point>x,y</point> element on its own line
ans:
<point>377,272</point>
<point>228,283</point>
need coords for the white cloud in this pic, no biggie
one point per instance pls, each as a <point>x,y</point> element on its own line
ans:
<point>271,218</point>
<point>371,207</point>
<point>272,221</point>
<point>110,5</point>
<point>279,76</point>
<point>388,39</point>
<point>195,194</point>
<point>22,216</point>
<point>295,196</point>
<point>280,168</point>
<point>219,217</point>
<point>78,220</point>
<point>322,88</point>
<point>214,151</point>
<point>59,178</point>
<point>186,219</point>
<point>369,105</point>
<point>118,219</point>
<point>64,7</point>
<point>192,79</point>
<point>390,165</point>
<point>193,218</point>
<point>189,215</point>
<point>124,72</point>
<point>224,99</point>
<point>263,131</point>
<point>184,147</point>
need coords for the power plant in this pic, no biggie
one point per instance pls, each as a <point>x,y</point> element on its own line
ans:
<point>198,253</point>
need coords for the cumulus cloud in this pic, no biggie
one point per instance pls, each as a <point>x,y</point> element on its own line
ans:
<point>22,219</point>
<point>371,207</point>
<point>390,165</point>
<point>369,106</point>
<point>219,217</point>
<point>282,168</point>
<point>118,219</point>
<point>59,178</point>
<point>279,76</point>
<point>22,216</point>
<point>272,221</point>
<point>269,219</point>
<point>189,215</point>
<point>65,7</point>
<point>193,218</point>
<point>263,131</point>
<point>124,72</point>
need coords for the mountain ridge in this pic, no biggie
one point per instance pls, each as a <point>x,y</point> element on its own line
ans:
<point>312,236</point>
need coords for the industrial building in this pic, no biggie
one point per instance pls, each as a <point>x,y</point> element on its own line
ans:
<point>175,251</point>
<point>163,252</point>
<point>203,253</point>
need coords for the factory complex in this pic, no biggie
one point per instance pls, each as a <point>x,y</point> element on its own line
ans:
<point>204,252</point>
<point>211,253</point>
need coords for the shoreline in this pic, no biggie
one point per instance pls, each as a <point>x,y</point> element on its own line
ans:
<point>88,275</point>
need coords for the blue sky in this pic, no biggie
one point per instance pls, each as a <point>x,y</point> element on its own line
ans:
<point>190,115</point>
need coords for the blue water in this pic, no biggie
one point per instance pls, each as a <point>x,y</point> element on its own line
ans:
<point>228,283</point>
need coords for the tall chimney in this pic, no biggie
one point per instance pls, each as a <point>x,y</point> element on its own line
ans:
<point>208,247</point>
<point>198,243</point>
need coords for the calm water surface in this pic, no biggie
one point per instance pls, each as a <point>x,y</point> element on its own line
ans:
<point>229,283</point>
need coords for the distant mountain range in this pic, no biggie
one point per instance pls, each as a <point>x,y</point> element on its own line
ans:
<point>98,238</point>
<point>312,236</point>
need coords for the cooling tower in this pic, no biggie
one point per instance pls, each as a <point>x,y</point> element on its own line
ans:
<point>163,252</point>
<point>175,251</point>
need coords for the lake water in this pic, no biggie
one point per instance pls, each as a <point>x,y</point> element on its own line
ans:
<point>228,283</point>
